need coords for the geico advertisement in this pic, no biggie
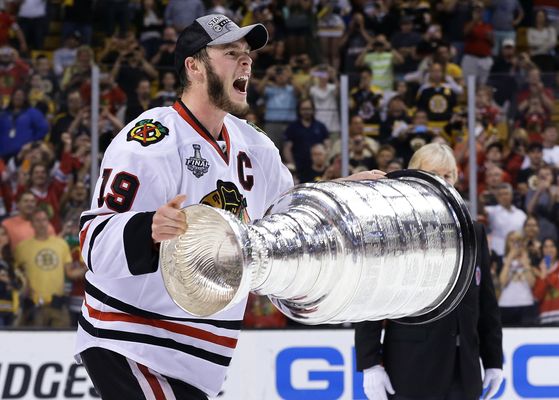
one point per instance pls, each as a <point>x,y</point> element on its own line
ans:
<point>299,364</point>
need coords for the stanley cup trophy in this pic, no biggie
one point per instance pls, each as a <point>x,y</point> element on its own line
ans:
<point>331,252</point>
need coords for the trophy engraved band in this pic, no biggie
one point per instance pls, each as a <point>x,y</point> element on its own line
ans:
<point>330,252</point>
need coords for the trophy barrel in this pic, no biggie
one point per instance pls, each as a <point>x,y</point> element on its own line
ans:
<point>398,248</point>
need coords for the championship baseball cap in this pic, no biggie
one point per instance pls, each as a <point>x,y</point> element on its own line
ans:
<point>213,30</point>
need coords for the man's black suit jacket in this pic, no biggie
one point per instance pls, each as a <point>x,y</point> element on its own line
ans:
<point>420,359</point>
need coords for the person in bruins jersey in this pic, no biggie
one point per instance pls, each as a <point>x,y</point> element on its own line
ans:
<point>436,98</point>
<point>134,341</point>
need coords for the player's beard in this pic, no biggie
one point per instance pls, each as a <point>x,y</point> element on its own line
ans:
<point>219,97</point>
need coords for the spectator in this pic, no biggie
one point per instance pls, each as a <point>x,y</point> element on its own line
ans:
<point>74,201</point>
<point>300,136</point>
<point>517,278</point>
<point>396,117</point>
<point>13,73</point>
<point>302,78</point>
<point>181,13</point>
<point>274,51</point>
<point>78,20</point>
<point>330,29</point>
<point>503,218</point>
<point>532,240</point>
<point>140,102</point>
<point>32,18</point>
<point>6,197</point>
<point>405,42</point>
<point>75,272</point>
<point>547,284</point>
<point>65,56</point>
<point>454,15</point>
<point>164,57</point>
<point>325,97</point>
<point>280,99</point>
<point>550,146</point>
<point>9,283</point>
<point>477,59</point>
<point>542,39</point>
<point>334,169</point>
<point>72,120</point>
<point>503,73</point>
<point>9,28</point>
<point>380,58</point>
<point>489,188</point>
<point>167,93</point>
<point>149,24</point>
<point>38,97</point>
<point>436,98</point>
<point>535,89</point>
<point>409,138</point>
<point>532,116</point>
<point>385,154</point>
<point>18,227</point>
<point>48,191</point>
<point>453,72</point>
<point>43,67</point>
<point>354,42</point>
<point>365,101</point>
<point>541,201</point>
<point>319,159</point>
<point>44,259</point>
<point>506,15</point>
<point>113,46</point>
<point>80,71</point>
<point>532,163</point>
<point>20,124</point>
<point>130,68</point>
<point>356,128</point>
<point>514,154</point>
<point>299,24</point>
<point>116,15</point>
<point>361,158</point>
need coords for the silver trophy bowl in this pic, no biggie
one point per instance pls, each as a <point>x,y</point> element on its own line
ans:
<point>330,252</point>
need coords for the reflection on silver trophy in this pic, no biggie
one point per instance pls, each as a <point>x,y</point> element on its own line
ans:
<point>331,252</point>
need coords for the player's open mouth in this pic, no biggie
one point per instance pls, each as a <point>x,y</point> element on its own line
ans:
<point>241,83</point>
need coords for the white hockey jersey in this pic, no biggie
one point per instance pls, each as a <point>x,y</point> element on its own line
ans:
<point>163,153</point>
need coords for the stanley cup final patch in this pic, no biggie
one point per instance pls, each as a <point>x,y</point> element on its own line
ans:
<point>147,132</point>
<point>196,164</point>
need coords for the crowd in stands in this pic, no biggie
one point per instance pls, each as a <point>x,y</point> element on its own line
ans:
<point>407,63</point>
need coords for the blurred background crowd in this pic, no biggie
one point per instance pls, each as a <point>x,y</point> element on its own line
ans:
<point>406,61</point>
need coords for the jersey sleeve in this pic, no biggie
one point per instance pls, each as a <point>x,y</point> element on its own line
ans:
<point>279,180</point>
<point>115,235</point>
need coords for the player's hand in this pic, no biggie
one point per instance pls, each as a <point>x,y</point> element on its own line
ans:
<point>169,221</point>
<point>492,381</point>
<point>376,383</point>
<point>366,175</point>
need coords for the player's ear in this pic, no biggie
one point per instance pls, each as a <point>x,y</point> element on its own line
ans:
<point>193,68</point>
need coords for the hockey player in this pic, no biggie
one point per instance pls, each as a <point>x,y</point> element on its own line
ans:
<point>134,341</point>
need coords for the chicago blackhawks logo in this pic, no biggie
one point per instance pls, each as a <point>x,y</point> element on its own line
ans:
<point>196,164</point>
<point>227,197</point>
<point>147,132</point>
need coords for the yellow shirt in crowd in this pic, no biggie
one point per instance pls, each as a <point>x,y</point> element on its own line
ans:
<point>43,264</point>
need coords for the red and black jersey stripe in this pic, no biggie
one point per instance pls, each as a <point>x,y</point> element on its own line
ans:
<point>132,310</point>
<point>153,340</point>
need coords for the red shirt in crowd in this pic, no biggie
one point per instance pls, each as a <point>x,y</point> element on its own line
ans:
<point>478,42</point>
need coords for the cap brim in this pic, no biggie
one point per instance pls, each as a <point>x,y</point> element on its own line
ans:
<point>256,36</point>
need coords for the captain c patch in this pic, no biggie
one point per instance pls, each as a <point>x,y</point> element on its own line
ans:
<point>147,132</point>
